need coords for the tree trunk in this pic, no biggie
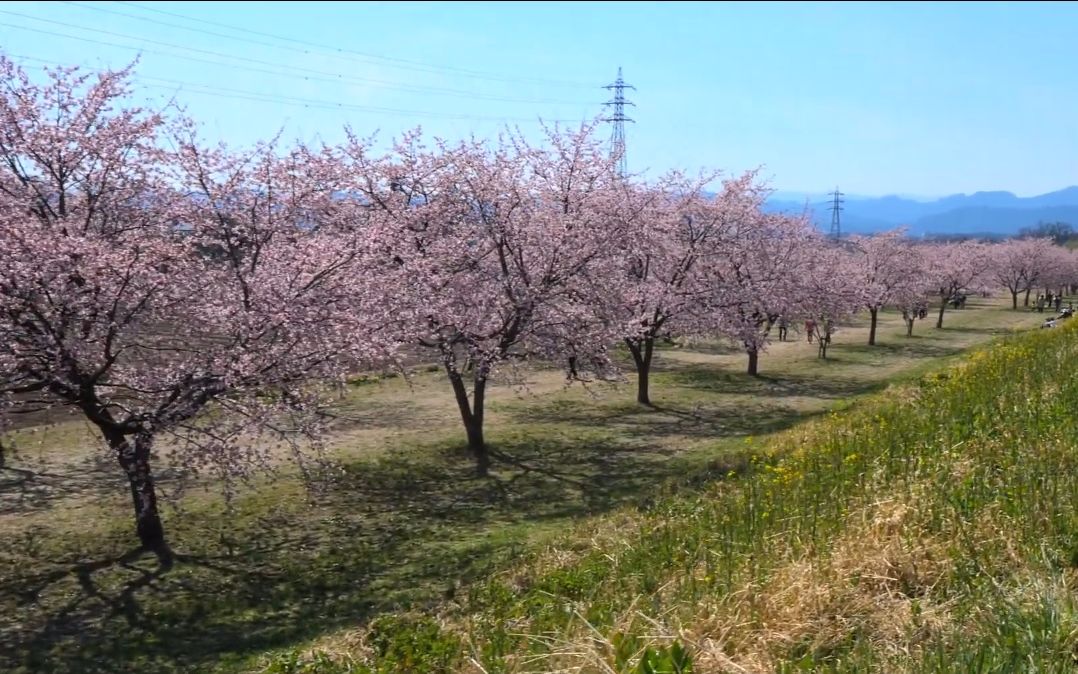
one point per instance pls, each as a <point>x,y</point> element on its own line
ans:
<point>477,445</point>
<point>471,413</point>
<point>909,326</point>
<point>754,359</point>
<point>874,312</point>
<point>1026,303</point>
<point>134,457</point>
<point>1014,299</point>
<point>642,351</point>
<point>943,307</point>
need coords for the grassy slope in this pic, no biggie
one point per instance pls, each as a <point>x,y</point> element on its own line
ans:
<point>931,529</point>
<point>402,523</point>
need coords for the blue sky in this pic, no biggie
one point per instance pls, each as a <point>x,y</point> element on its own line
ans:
<point>923,99</point>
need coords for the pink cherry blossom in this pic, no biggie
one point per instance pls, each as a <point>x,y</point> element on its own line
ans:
<point>674,232</point>
<point>887,271</point>
<point>143,287</point>
<point>499,253</point>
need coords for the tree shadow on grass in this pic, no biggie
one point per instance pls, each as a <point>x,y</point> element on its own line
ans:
<point>923,347</point>
<point>701,421</point>
<point>27,488</point>
<point>725,404</point>
<point>715,381</point>
<point>706,347</point>
<point>355,412</point>
<point>403,531</point>
<point>973,330</point>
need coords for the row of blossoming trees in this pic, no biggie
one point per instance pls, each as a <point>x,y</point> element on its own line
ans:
<point>199,300</point>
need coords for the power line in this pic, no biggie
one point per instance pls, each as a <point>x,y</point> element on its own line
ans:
<point>264,97</point>
<point>176,25</point>
<point>306,74</point>
<point>403,63</point>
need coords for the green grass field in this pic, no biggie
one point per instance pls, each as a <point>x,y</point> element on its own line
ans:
<point>600,520</point>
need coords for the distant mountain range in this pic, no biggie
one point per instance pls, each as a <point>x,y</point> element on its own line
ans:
<point>982,214</point>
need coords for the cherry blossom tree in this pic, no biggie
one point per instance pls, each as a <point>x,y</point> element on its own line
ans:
<point>886,270</point>
<point>503,252</point>
<point>830,288</point>
<point>675,234</point>
<point>1062,270</point>
<point>913,307</point>
<point>1059,270</point>
<point>955,268</point>
<point>1019,264</point>
<point>756,276</point>
<point>142,288</point>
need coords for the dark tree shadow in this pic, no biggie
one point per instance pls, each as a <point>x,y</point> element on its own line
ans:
<point>404,531</point>
<point>711,420</point>
<point>734,404</point>
<point>923,347</point>
<point>824,385</point>
<point>25,488</point>
<point>971,330</point>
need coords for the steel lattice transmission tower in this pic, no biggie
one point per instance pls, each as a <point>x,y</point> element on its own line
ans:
<point>618,119</point>
<point>836,209</point>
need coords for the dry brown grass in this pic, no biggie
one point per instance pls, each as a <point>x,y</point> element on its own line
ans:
<point>879,580</point>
